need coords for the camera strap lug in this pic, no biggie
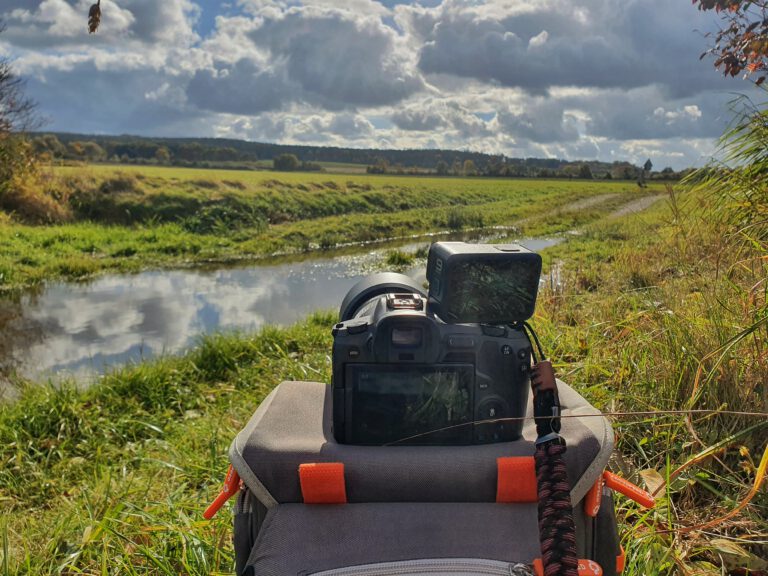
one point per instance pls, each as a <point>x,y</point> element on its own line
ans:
<point>546,402</point>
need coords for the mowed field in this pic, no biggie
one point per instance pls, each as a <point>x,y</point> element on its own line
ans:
<point>131,218</point>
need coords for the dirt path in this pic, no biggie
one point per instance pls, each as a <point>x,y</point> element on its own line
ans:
<point>589,202</point>
<point>636,206</point>
<point>578,205</point>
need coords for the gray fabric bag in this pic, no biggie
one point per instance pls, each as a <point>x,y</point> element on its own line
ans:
<point>412,510</point>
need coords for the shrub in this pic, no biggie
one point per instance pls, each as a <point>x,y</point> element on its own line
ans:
<point>27,201</point>
<point>399,258</point>
<point>121,183</point>
<point>458,218</point>
<point>286,162</point>
<point>22,188</point>
<point>224,217</point>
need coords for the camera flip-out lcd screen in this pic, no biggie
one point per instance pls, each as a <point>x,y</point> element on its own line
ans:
<point>482,283</point>
<point>492,291</point>
<point>430,404</point>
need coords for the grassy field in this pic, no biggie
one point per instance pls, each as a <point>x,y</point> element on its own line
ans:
<point>130,218</point>
<point>661,310</point>
<point>333,167</point>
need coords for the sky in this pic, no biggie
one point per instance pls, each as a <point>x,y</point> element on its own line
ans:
<point>572,79</point>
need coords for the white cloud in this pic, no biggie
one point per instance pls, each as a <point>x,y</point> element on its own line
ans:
<point>689,111</point>
<point>170,22</point>
<point>297,128</point>
<point>339,57</point>
<point>440,114</point>
<point>520,77</point>
<point>538,40</point>
<point>317,55</point>
<point>59,20</point>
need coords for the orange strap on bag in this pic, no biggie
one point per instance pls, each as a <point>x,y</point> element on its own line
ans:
<point>230,488</point>
<point>629,490</point>
<point>516,480</point>
<point>586,568</point>
<point>621,560</point>
<point>594,498</point>
<point>323,483</point>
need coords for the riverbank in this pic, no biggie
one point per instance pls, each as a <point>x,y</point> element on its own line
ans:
<point>82,329</point>
<point>114,479</point>
<point>133,218</point>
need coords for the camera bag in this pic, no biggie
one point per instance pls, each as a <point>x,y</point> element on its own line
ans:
<point>311,506</point>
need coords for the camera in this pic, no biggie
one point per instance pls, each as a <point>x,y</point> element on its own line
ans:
<point>447,367</point>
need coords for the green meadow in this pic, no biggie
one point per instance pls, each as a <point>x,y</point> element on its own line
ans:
<point>101,218</point>
<point>644,313</point>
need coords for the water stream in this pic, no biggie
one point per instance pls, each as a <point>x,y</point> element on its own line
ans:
<point>81,330</point>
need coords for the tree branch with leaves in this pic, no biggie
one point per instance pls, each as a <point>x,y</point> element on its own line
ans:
<point>16,116</point>
<point>94,17</point>
<point>741,44</point>
<point>16,110</point>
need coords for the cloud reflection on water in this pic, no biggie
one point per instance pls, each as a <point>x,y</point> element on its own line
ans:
<point>83,329</point>
<point>117,319</point>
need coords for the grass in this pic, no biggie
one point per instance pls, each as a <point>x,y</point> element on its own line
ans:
<point>648,316</point>
<point>113,479</point>
<point>662,310</point>
<point>398,259</point>
<point>132,218</point>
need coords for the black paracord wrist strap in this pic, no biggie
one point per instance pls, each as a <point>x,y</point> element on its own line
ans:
<point>557,531</point>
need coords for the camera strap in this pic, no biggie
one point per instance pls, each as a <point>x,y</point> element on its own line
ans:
<point>557,531</point>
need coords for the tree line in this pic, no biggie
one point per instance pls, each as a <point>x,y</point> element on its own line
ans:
<point>501,167</point>
<point>227,153</point>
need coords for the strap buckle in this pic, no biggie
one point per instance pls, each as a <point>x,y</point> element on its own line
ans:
<point>551,438</point>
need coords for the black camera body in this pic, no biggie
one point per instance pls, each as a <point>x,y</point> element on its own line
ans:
<point>439,383</point>
<point>402,374</point>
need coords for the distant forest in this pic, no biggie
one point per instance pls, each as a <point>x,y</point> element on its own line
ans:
<point>240,154</point>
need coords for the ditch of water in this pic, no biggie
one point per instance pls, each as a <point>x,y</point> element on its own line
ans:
<point>81,330</point>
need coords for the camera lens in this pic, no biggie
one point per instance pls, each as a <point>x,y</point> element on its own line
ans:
<point>375,285</point>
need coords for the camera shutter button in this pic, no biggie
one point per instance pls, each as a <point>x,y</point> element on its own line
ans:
<point>356,326</point>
